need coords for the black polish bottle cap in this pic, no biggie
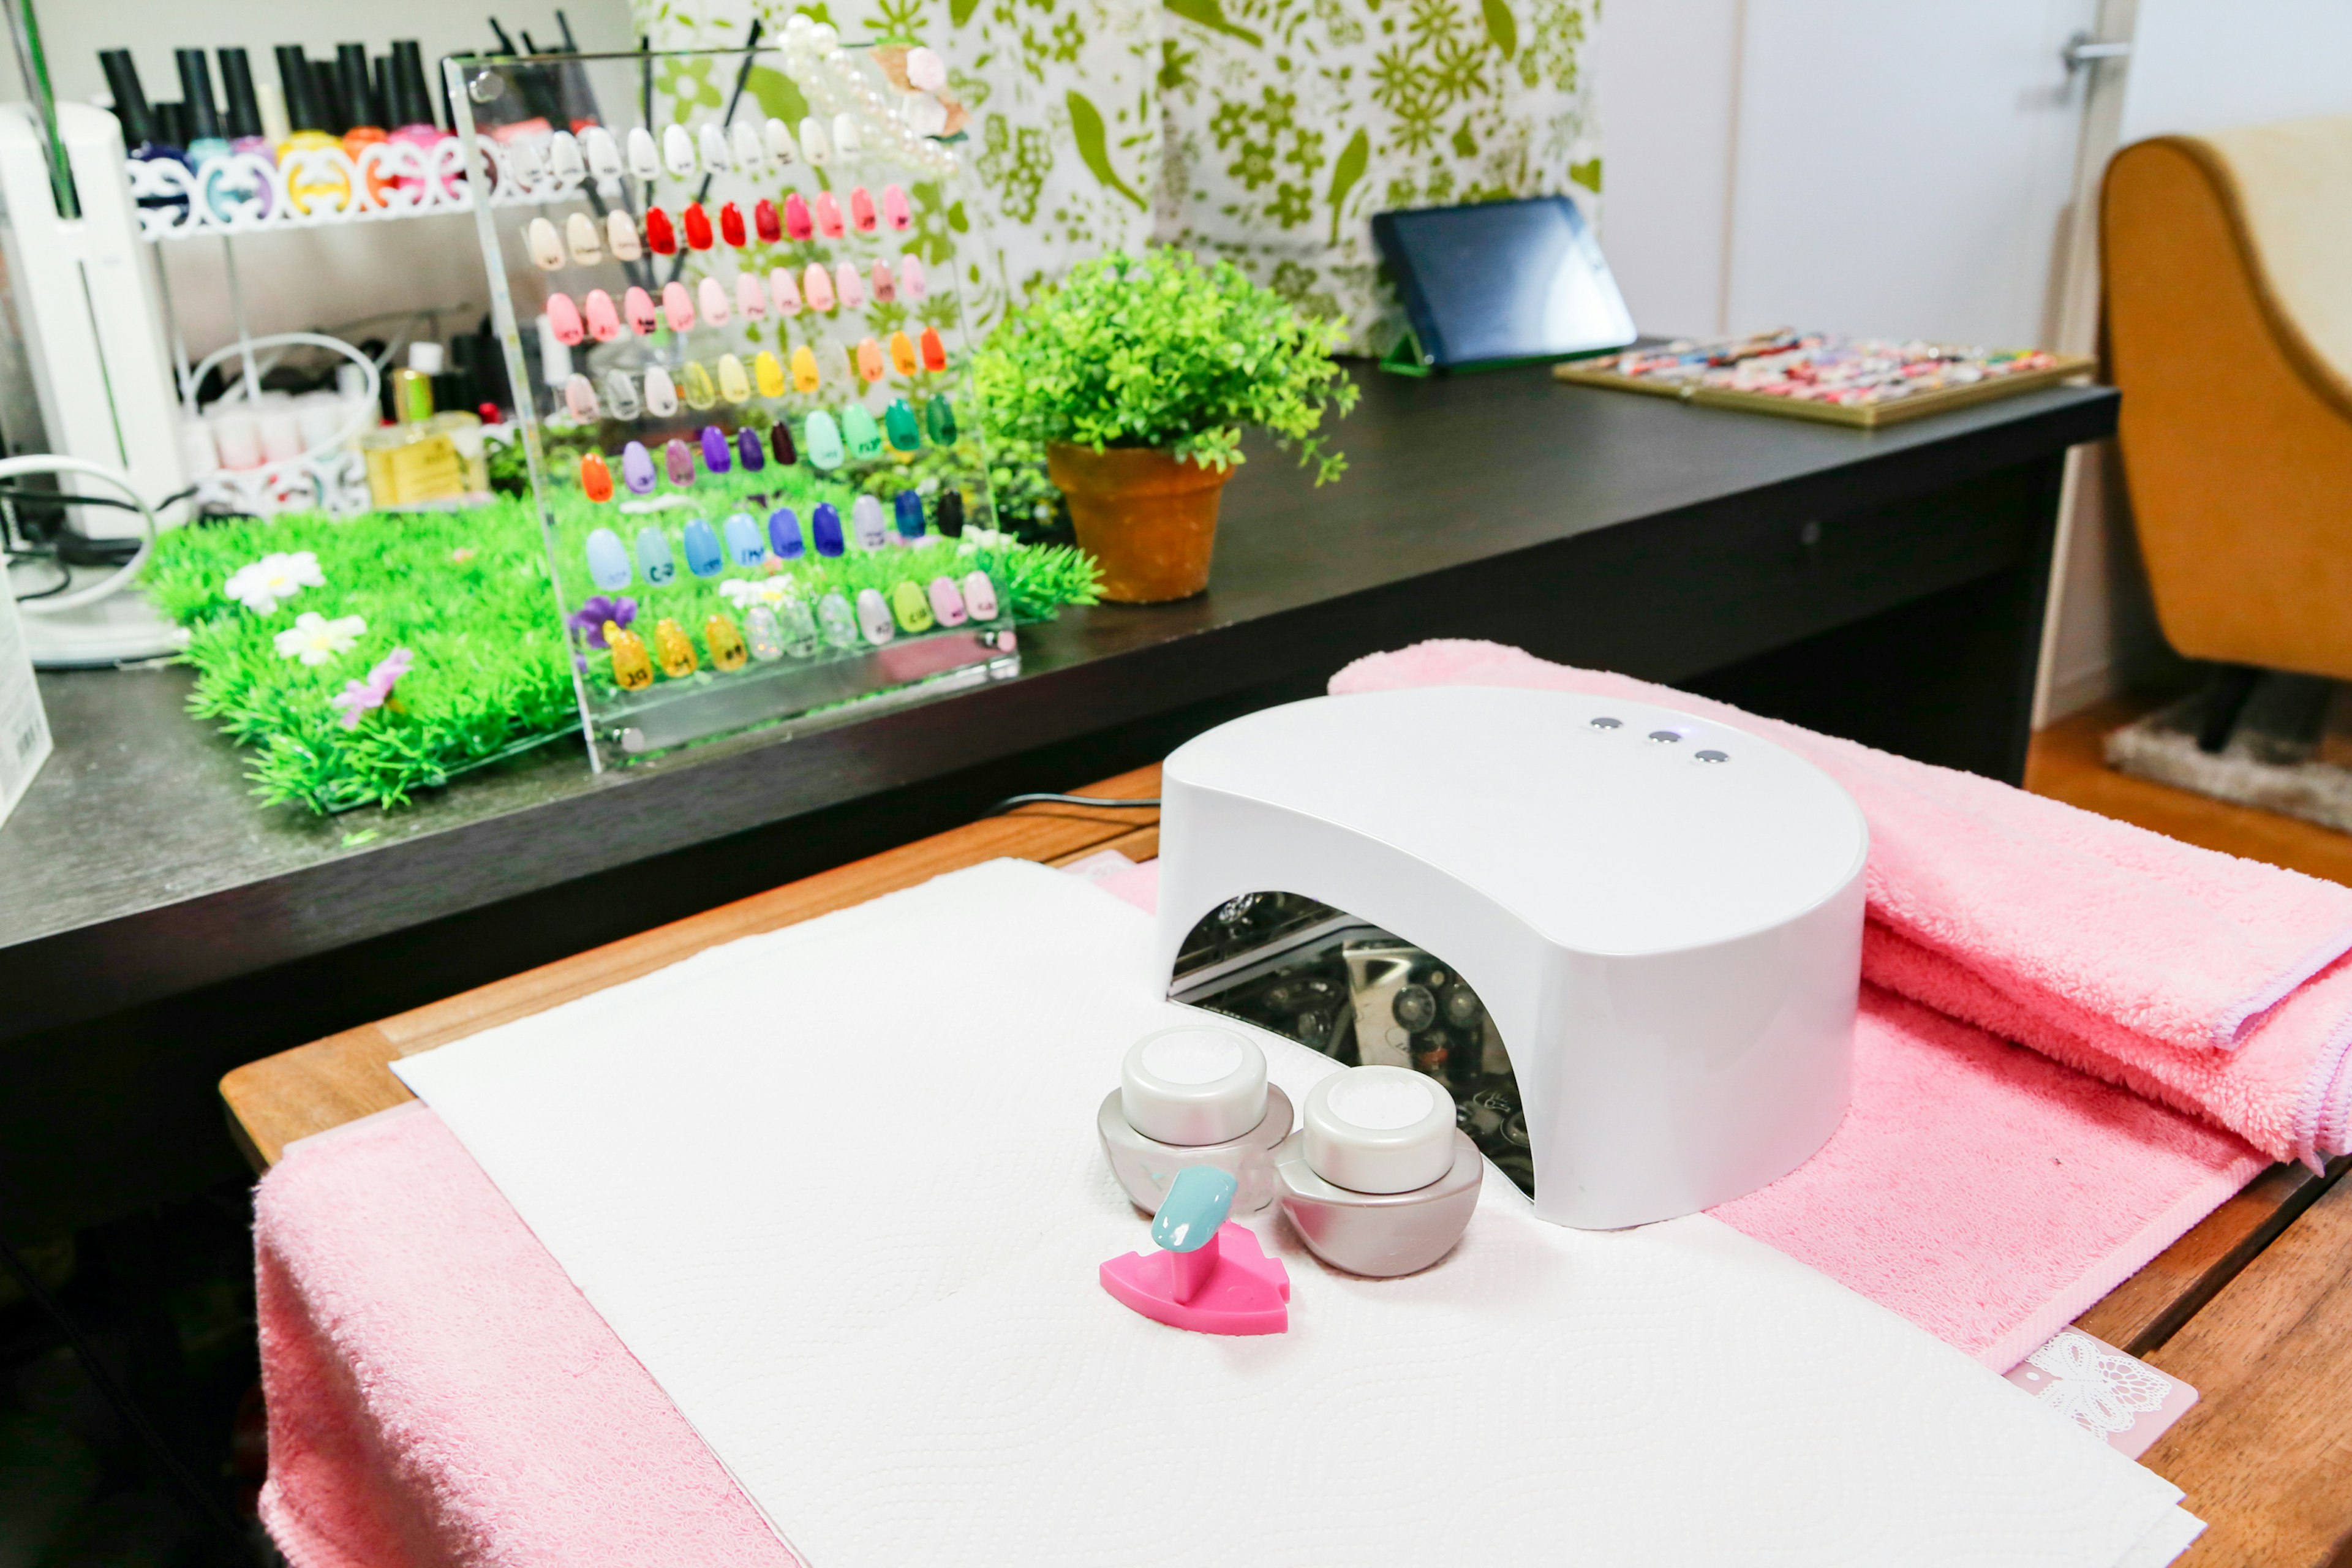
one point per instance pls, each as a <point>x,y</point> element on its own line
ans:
<point>351,78</point>
<point>237,85</point>
<point>130,97</point>
<point>412,99</point>
<point>303,110</point>
<point>196,93</point>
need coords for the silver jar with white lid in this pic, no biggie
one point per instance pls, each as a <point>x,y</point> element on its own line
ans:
<point>1379,1180</point>
<point>1194,1095</point>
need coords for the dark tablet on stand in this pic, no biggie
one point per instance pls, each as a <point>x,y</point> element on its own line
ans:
<point>1499,283</point>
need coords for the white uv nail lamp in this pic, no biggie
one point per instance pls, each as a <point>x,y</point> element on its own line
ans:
<point>1660,915</point>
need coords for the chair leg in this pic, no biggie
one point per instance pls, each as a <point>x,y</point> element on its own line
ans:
<point>2223,704</point>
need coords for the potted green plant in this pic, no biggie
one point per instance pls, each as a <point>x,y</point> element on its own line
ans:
<point>1139,374</point>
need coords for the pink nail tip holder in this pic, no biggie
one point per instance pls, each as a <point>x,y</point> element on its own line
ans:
<point>1210,1275</point>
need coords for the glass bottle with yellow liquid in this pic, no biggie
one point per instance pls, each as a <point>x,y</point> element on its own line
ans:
<point>425,461</point>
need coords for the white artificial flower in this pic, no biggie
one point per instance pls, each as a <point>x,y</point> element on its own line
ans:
<point>743,592</point>
<point>261,586</point>
<point>977,539</point>
<point>315,639</point>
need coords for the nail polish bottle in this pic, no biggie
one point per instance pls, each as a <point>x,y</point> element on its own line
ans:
<point>694,383</point>
<point>911,280</point>
<point>825,451</point>
<point>751,156</point>
<point>608,563</point>
<point>603,321</point>
<point>804,376</point>
<point>840,623</point>
<point>678,459</point>
<point>784,292</point>
<point>621,235</point>
<point>654,561</point>
<point>1195,1094</point>
<point>861,211</point>
<point>751,299</point>
<point>675,649</point>
<point>637,469</point>
<point>677,151</point>
<point>824,530</point>
<point>712,143</point>
<point>311,185</point>
<point>677,307</point>
<point>828,216</point>
<point>874,617</point>
<point>412,108</point>
<point>644,160</point>
<point>910,609</point>
<point>206,142</point>
<point>815,145</point>
<point>632,668</point>
<point>866,525</point>
<point>585,239</point>
<point>859,433</point>
<point>241,188</point>
<point>660,237</point>
<point>724,638</point>
<point>639,307</point>
<point>743,546</point>
<point>816,284</point>
<point>730,226</point>
<point>696,224</point>
<point>713,300</point>
<point>780,443</point>
<point>906,508</point>
<point>799,627</point>
<point>899,424</point>
<point>765,223</point>
<point>980,596</point>
<point>935,353</point>
<point>767,375</point>
<point>748,450</point>
<point>661,392</point>
<point>779,138</point>
<point>717,455</point>
<point>352,79</point>
<point>1378,1181</point>
<point>940,416</point>
<point>141,138</point>
<point>947,515</point>
<point>947,605</point>
<point>895,210</point>
<point>702,556</point>
<point>759,629</point>
<point>784,534</point>
<point>902,354</point>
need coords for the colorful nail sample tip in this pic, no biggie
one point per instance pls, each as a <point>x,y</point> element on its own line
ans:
<point>804,375</point>
<point>645,163</point>
<point>545,245</point>
<point>824,530</point>
<point>980,596</point>
<point>733,384</point>
<point>587,244</point>
<point>702,557</point>
<point>869,360</point>
<point>947,605</point>
<point>563,159</point>
<point>633,670</point>
<point>767,375</point>
<point>935,353</point>
<point>679,461</point>
<point>743,546</point>
<point>861,211</point>
<point>697,226</point>
<point>946,513</point>
<point>828,216</point>
<point>639,306</point>
<point>563,319</point>
<point>749,298</point>
<point>784,292</point>
<point>780,442</point>
<point>874,617</point>
<point>749,155</point>
<point>911,280</point>
<point>765,223</point>
<point>661,392</point>
<point>832,612</point>
<point>748,450</point>
<point>895,210</point>
<point>730,226</point>
<point>712,144</point>
<point>677,151</point>
<point>815,145</point>
<point>621,235</point>
<point>797,221</point>
<point>675,649</point>
<point>596,478</point>
<point>603,321</point>
<point>677,305</point>
<point>865,524</point>
<point>899,424</point>
<point>908,507</point>
<point>760,630</point>
<point>800,628</point>
<point>608,562</point>
<point>725,640</point>
<point>712,298</point>
<point>846,284</point>
<point>637,469</point>
<point>858,432</point>
<point>621,395</point>
<point>654,558</point>
<point>784,534</point>
<point>779,137</point>
<point>817,284</point>
<point>885,286</point>
<point>909,608</point>
<point>717,455</point>
<point>902,354</point>
<point>695,383</point>
<point>660,237</point>
<point>579,396</point>
<point>941,415</point>
<point>846,138</point>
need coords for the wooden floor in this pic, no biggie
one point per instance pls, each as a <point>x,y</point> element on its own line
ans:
<point>2064,763</point>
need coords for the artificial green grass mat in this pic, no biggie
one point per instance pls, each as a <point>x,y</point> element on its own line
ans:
<point>468,593</point>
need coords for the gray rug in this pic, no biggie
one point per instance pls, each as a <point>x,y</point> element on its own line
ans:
<point>2290,754</point>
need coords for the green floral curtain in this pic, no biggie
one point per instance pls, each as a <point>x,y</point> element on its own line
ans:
<point>1266,131</point>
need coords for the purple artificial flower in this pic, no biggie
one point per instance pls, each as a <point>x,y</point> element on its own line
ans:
<point>358,696</point>
<point>591,616</point>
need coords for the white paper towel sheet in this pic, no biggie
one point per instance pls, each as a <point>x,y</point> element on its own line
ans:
<point>837,1187</point>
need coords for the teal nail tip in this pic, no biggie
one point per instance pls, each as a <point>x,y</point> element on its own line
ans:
<point>1197,1202</point>
<point>822,438</point>
<point>898,422</point>
<point>653,557</point>
<point>702,557</point>
<point>857,429</point>
<point>942,420</point>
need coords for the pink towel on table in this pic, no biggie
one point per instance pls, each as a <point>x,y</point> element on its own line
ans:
<point>2180,973</point>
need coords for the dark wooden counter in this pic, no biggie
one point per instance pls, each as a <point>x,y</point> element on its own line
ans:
<point>157,926</point>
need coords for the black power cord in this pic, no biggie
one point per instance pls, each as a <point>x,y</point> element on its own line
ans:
<point>1148,802</point>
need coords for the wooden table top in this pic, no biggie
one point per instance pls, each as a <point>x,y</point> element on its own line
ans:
<point>2253,1307</point>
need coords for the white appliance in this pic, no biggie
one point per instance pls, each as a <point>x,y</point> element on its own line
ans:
<point>1662,915</point>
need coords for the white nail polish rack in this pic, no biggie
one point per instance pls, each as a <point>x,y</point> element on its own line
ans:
<point>794,257</point>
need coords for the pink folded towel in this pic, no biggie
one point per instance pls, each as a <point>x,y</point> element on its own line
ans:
<point>2198,978</point>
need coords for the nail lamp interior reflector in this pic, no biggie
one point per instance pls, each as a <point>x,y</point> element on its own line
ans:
<point>1662,915</point>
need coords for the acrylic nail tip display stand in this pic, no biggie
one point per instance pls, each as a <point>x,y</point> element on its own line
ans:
<point>745,426</point>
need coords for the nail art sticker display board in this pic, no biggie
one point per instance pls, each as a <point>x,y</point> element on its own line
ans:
<point>747,437</point>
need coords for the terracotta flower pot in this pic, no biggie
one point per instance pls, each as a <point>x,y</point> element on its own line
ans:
<point>1149,520</point>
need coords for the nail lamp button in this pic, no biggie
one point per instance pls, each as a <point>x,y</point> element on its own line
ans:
<point>874,617</point>
<point>858,429</point>
<point>564,318</point>
<point>909,509</point>
<point>898,420</point>
<point>713,147</point>
<point>637,469</point>
<point>823,437</point>
<point>659,235</point>
<point>894,211</point>
<point>1193,1084</point>
<point>587,244</point>
<point>784,292</point>
<point>784,534</point>
<point>677,305</point>
<point>1378,1130</point>
<point>677,151</point>
<point>866,522</point>
<point>911,280</point>
<point>697,226</point>
<point>661,392</point>
<point>980,596</point>
<point>545,245</point>
<point>621,235</point>
<point>947,605</point>
<point>733,384</point>
<point>621,393</point>
<point>748,450</point>
<point>702,557</point>
<point>608,562</point>
<point>717,456</point>
<point>824,530</point>
<point>645,163</point>
<point>653,557</point>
